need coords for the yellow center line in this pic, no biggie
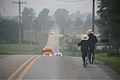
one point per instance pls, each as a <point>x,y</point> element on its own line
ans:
<point>27,68</point>
<point>19,68</point>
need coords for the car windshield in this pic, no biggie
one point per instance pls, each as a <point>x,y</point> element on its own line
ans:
<point>46,51</point>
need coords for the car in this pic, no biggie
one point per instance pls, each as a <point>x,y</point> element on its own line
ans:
<point>52,32</point>
<point>58,54</point>
<point>47,51</point>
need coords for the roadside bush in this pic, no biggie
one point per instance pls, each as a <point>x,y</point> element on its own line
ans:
<point>116,53</point>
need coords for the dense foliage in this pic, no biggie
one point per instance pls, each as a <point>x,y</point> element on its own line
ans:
<point>109,21</point>
<point>28,16</point>
<point>62,18</point>
<point>8,30</point>
<point>43,21</point>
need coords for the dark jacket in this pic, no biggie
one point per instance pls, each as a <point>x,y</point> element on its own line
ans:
<point>92,39</point>
<point>84,45</point>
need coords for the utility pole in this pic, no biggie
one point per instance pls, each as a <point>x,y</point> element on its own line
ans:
<point>19,29</point>
<point>31,33</point>
<point>93,16</point>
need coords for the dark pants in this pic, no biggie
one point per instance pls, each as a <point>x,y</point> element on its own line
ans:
<point>91,53</point>
<point>84,54</point>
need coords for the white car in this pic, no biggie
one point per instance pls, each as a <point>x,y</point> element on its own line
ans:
<point>52,31</point>
<point>57,54</point>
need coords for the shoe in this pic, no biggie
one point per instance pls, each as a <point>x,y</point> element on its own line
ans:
<point>90,62</point>
<point>83,64</point>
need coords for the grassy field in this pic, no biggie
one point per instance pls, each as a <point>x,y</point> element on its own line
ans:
<point>14,47</point>
<point>10,49</point>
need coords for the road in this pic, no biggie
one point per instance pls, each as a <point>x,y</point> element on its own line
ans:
<point>53,41</point>
<point>38,67</point>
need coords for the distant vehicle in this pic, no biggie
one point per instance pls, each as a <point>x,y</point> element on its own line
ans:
<point>47,51</point>
<point>57,54</point>
<point>52,32</point>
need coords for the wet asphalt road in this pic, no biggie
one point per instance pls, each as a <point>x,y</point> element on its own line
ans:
<point>40,67</point>
<point>54,68</point>
<point>9,63</point>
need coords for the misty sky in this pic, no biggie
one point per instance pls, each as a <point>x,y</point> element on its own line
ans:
<point>7,8</point>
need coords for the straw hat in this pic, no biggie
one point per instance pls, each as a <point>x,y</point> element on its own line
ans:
<point>90,31</point>
<point>85,37</point>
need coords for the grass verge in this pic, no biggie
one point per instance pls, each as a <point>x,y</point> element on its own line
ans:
<point>112,62</point>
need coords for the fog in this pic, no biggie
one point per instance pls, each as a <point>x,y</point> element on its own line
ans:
<point>7,8</point>
<point>70,18</point>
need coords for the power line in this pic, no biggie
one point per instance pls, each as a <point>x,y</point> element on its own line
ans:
<point>14,8</point>
<point>70,0</point>
<point>4,9</point>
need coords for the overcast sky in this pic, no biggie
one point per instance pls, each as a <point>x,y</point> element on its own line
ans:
<point>7,8</point>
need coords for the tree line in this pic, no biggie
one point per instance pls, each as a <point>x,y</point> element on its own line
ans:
<point>9,30</point>
<point>41,22</point>
<point>61,17</point>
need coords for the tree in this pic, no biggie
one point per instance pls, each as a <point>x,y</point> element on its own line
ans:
<point>9,30</point>
<point>110,17</point>
<point>88,21</point>
<point>28,16</point>
<point>50,22</point>
<point>62,19</point>
<point>78,22</point>
<point>76,15</point>
<point>43,21</point>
